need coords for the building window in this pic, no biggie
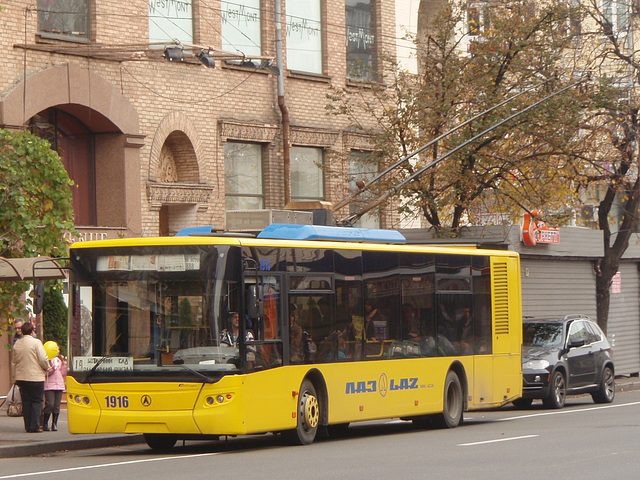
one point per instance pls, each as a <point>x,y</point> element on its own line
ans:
<point>241,31</point>
<point>307,179</point>
<point>574,20</point>
<point>477,18</point>
<point>361,40</point>
<point>170,21</point>
<point>363,169</point>
<point>304,36</point>
<point>64,18</point>
<point>243,176</point>
<point>616,12</point>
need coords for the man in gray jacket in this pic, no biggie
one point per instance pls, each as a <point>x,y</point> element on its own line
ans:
<point>30,363</point>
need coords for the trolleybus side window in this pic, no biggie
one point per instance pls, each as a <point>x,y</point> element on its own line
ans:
<point>265,349</point>
<point>482,305</point>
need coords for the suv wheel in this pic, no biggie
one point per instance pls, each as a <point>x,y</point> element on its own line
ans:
<point>607,389</point>
<point>557,391</point>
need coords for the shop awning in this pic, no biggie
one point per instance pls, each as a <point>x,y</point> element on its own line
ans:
<point>18,269</point>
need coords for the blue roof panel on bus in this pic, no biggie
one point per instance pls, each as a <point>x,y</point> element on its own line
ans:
<point>185,232</point>
<point>285,231</point>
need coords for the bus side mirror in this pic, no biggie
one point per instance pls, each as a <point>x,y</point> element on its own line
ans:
<point>38,297</point>
<point>252,301</point>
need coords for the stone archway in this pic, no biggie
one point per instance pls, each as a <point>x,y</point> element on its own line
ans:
<point>96,103</point>
<point>177,194</point>
<point>70,85</point>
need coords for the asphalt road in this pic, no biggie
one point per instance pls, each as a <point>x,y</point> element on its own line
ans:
<point>583,441</point>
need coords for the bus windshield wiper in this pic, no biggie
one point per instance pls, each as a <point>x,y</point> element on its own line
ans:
<point>95,367</point>
<point>202,375</point>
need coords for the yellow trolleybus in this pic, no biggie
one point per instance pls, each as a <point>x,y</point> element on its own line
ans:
<point>301,330</point>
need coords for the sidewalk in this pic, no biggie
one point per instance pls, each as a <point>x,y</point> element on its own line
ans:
<point>15,442</point>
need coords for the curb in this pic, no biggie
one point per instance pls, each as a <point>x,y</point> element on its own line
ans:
<point>65,445</point>
<point>628,387</point>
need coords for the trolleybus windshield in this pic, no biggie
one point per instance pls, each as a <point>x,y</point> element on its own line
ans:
<point>162,310</point>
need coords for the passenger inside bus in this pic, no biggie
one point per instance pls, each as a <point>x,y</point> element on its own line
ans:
<point>466,331</point>
<point>230,336</point>
<point>375,323</point>
<point>412,326</point>
<point>295,335</point>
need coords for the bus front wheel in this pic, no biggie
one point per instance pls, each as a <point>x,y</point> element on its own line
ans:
<point>159,441</point>
<point>453,403</point>
<point>308,416</point>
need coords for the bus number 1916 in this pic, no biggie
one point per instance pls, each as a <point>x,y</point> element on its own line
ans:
<point>114,401</point>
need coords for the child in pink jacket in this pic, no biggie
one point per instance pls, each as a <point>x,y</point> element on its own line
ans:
<point>53,388</point>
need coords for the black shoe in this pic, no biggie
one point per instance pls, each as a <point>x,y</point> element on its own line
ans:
<point>45,427</point>
<point>54,428</point>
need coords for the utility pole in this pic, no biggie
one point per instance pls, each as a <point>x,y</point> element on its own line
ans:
<point>286,156</point>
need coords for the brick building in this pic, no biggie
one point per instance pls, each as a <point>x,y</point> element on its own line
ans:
<point>155,145</point>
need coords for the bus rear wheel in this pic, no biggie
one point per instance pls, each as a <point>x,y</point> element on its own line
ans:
<point>308,416</point>
<point>453,403</point>
<point>159,441</point>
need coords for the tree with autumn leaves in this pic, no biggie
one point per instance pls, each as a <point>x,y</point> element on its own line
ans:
<point>565,57</point>
<point>518,51</point>
<point>36,209</point>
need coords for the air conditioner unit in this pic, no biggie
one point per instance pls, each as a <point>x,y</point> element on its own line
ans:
<point>258,220</point>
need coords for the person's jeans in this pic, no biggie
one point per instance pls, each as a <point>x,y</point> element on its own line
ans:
<point>52,401</point>
<point>32,400</point>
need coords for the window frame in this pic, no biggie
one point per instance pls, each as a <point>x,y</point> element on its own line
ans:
<point>368,73</point>
<point>245,195</point>
<point>295,196</point>
<point>86,38</point>
<point>617,16</point>
<point>373,218</point>
<point>305,24</point>
<point>228,36</point>
<point>171,28</point>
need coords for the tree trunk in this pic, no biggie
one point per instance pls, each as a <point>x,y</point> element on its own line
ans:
<point>603,299</point>
<point>613,253</point>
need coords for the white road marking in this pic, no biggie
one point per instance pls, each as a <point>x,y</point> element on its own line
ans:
<point>566,412</point>
<point>496,440</point>
<point>106,465</point>
<point>532,415</point>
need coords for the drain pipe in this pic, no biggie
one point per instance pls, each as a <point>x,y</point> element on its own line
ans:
<point>283,107</point>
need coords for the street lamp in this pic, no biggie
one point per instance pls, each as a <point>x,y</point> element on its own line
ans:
<point>206,60</point>
<point>174,54</point>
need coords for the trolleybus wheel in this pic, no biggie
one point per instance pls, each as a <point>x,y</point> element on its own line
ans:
<point>308,416</point>
<point>453,403</point>
<point>159,441</point>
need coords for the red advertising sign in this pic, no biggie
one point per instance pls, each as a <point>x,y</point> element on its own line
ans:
<point>535,230</point>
